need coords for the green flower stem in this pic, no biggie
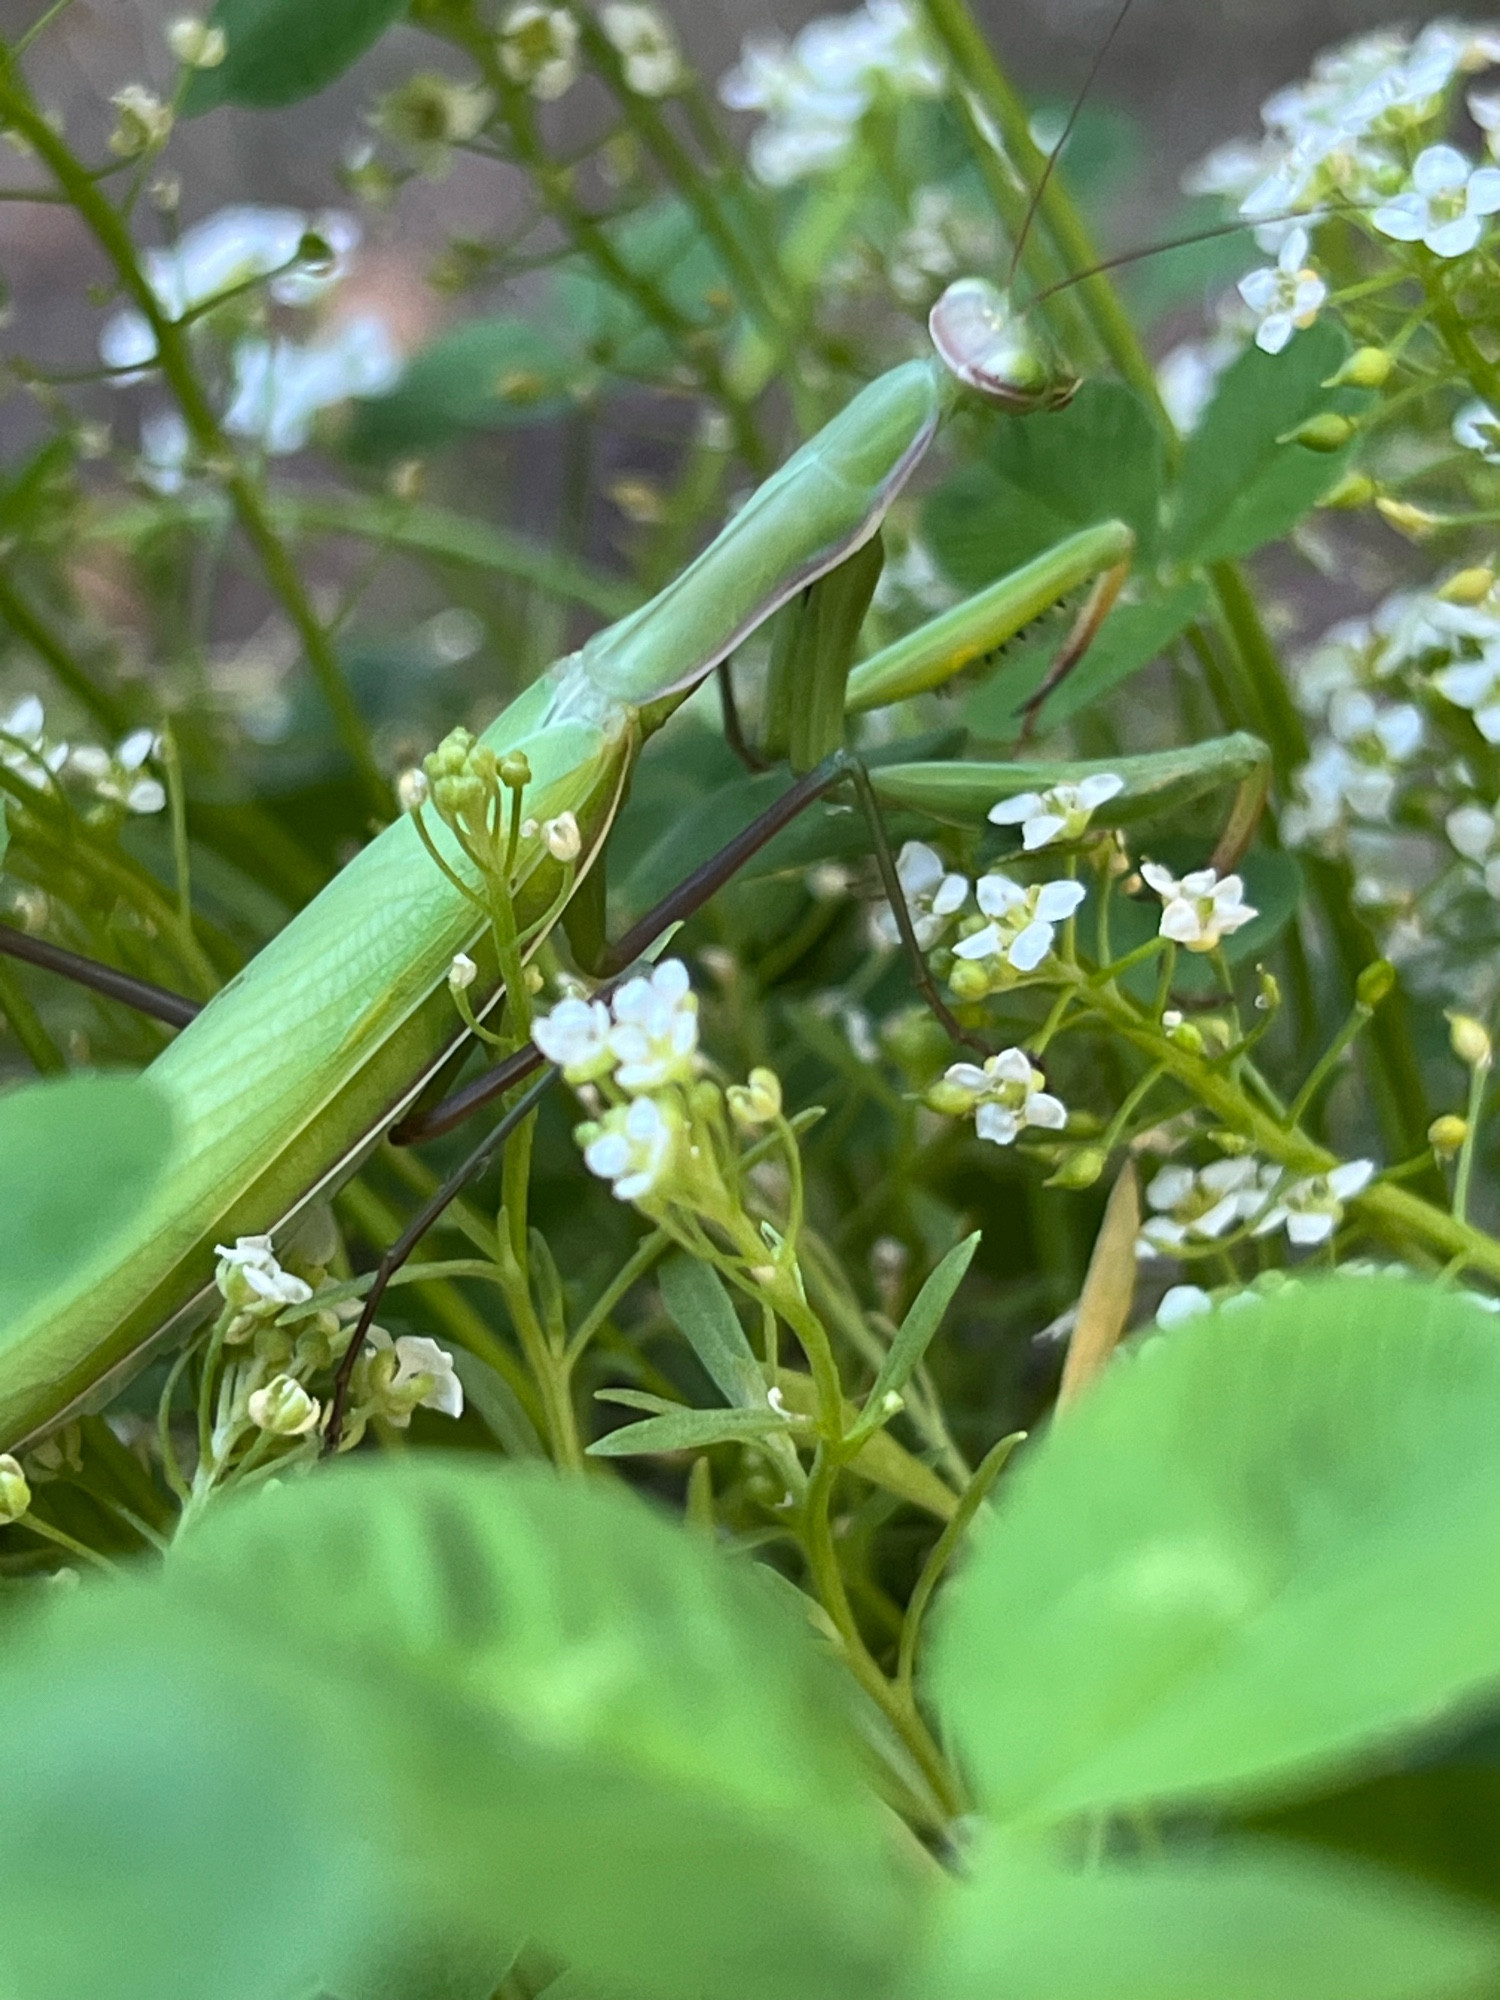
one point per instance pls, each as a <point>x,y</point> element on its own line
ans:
<point>65,1541</point>
<point>1327,1063</point>
<point>1394,1213</point>
<point>1479,1077</point>
<point>974,1495</point>
<point>175,361</point>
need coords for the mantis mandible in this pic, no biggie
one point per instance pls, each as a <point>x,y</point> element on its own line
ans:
<point>288,1078</point>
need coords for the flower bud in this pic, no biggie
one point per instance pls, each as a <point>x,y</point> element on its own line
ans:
<point>411,790</point>
<point>144,122</point>
<point>950,1099</point>
<point>462,973</point>
<point>195,44</point>
<point>1468,586</point>
<point>562,839</point>
<point>968,980</point>
<point>1375,983</point>
<point>1447,1134</point>
<point>757,1102</point>
<point>1186,1035</point>
<point>1268,999</point>
<point>1327,431</point>
<point>284,1408</point>
<point>1355,489</point>
<point>515,770</point>
<point>1081,1169</point>
<point>1407,519</point>
<point>1470,1041</point>
<point>1366,368</point>
<point>15,1494</point>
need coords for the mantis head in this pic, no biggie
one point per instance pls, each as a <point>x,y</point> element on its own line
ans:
<point>988,346</point>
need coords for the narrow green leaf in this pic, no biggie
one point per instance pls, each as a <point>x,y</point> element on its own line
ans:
<point>1238,488</point>
<point>1042,478</point>
<point>925,1316</point>
<point>689,1430</point>
<point>1187,1592</point>
<point>1258,1924</point>
<point>280,51</point>
<point>694,1295</point>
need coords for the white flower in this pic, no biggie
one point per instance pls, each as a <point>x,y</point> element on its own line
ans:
<point>1188,377</point>
<point>462,973</point>
<point>1477,428</point>
<point>1199,1205</point>
<point>1023,923</point>
<point>1475,685</point>
<point>561,838</point>
<point>933,897</point>
<point>284,1408</point>
<point>539,48</point>
<point>1285,296</point>
<point>24,748</point>
<point>1312,1209</point>
<point>251,1280</point>
<point>421,1366</point>
<point>1445,205</point>
<point>655,1037</point>
<point>632,1146</point>
<point>1201,908</point>
<point>1182,1302</point>
<point>575,1036</point>
<point>195,43</point>
<point>1063,813</point>
<point>166,447</point>
<point>231,248</point>
<point>144,122</point>
<point>280,385</point>
<point>1005,1096</point>
<point>1475,834</point>
<point>646,46</point>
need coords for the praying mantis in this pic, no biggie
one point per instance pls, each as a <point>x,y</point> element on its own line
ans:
<point>282,1085</point>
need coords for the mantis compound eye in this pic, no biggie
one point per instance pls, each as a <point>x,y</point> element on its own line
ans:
<point>983,341</point>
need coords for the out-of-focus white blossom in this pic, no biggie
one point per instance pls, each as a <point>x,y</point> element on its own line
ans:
<point>655,1037</point>
<point>1200,909</point>
<point>812,92</point>
<point>647,47</point>
<point>280,386</point>
<point>1445,205</point>
<point>632,1146</point>
<point>1475,834</point>
<point>934,896</point>
<point>1311,1209</point>
<point>1200,1204</point>
<point>1477,428</point>
<point>538,48</point>
<point>1181,1303</point>
<point>1005,1097</point>
<point>1063,813</point>
<point>1475,685</point>
<point>1284,296</point>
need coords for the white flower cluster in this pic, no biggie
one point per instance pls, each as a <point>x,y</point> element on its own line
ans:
<point>1192,1207</point>
<point>538,48</point>
<point>813,92</point>
<point>642,1043</point>
<point>246,257</point>
<point>115,779</point>
<point>1201,909</point>
<point>1005,1097</point>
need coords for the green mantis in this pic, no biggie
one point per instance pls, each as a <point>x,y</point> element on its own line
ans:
<point>287,1079</point>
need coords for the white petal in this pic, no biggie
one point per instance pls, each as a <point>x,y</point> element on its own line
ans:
<point>1059,899</point>
<point>1309,1229</point>
<point>1162,880</point>
<point>1180,923</point>
<point>952,893</point>
<point>1405,218</point>
<point>1183,1302</point>
<point>1049,1112</point>
<point>1041,831</point>
<point>1484,192</point>
<point>1099,789</point>
<point>1456,238</point>
<point>1260,290</point>
<point>1351,1178</point>
<point>918,868</point>
<point>1011,812</point>
<point>997,895</point>
<point>983,944</point>
<point>1010,1066</point>
<point>996,1124</point>
<point>1274,332</point>
<point>1030,947</point>
<point>1439,170</point>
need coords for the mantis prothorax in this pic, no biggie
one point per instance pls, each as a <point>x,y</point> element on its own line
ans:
<point>288,1078</point>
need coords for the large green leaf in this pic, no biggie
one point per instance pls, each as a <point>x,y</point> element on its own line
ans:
<point>1254,1925</point>
<point>482,375</point>
<point>1043,477</point>
<point>189,1829</point>
<point>1238,486</point>
<point>1245,1561</point>
<point>624,1746</point>
<point>79,1156</point>
<point>280,51</point>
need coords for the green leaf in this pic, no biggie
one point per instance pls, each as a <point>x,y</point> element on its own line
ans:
<point>280,51</point>
<point>690,1430</point>
<point>485,374</point>
<point>914,1335</point>
<point>1260,1924</point>
<point>593,1728</point>
<point>1131,637</point>
<point>694,1295</point>
<point>1245,1560</point>
<point>79,1157</point>
<point>1043,477</point>
<point>185,1813</point>
<point>1238,488</point>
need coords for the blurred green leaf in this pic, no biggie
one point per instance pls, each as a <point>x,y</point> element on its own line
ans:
<point>1237,487</point>
<point>689,1430</point>
<point>694,1295</point>
<point>280,51</point>
<point>1042,477</point>
<point>1244,1560</point>
<point>596,1730</point>
<point>1258,1924</point>
<point>79,1157</point>
<point>484,374</point>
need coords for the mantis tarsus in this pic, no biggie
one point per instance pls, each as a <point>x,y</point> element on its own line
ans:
<point>286,1080</point>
